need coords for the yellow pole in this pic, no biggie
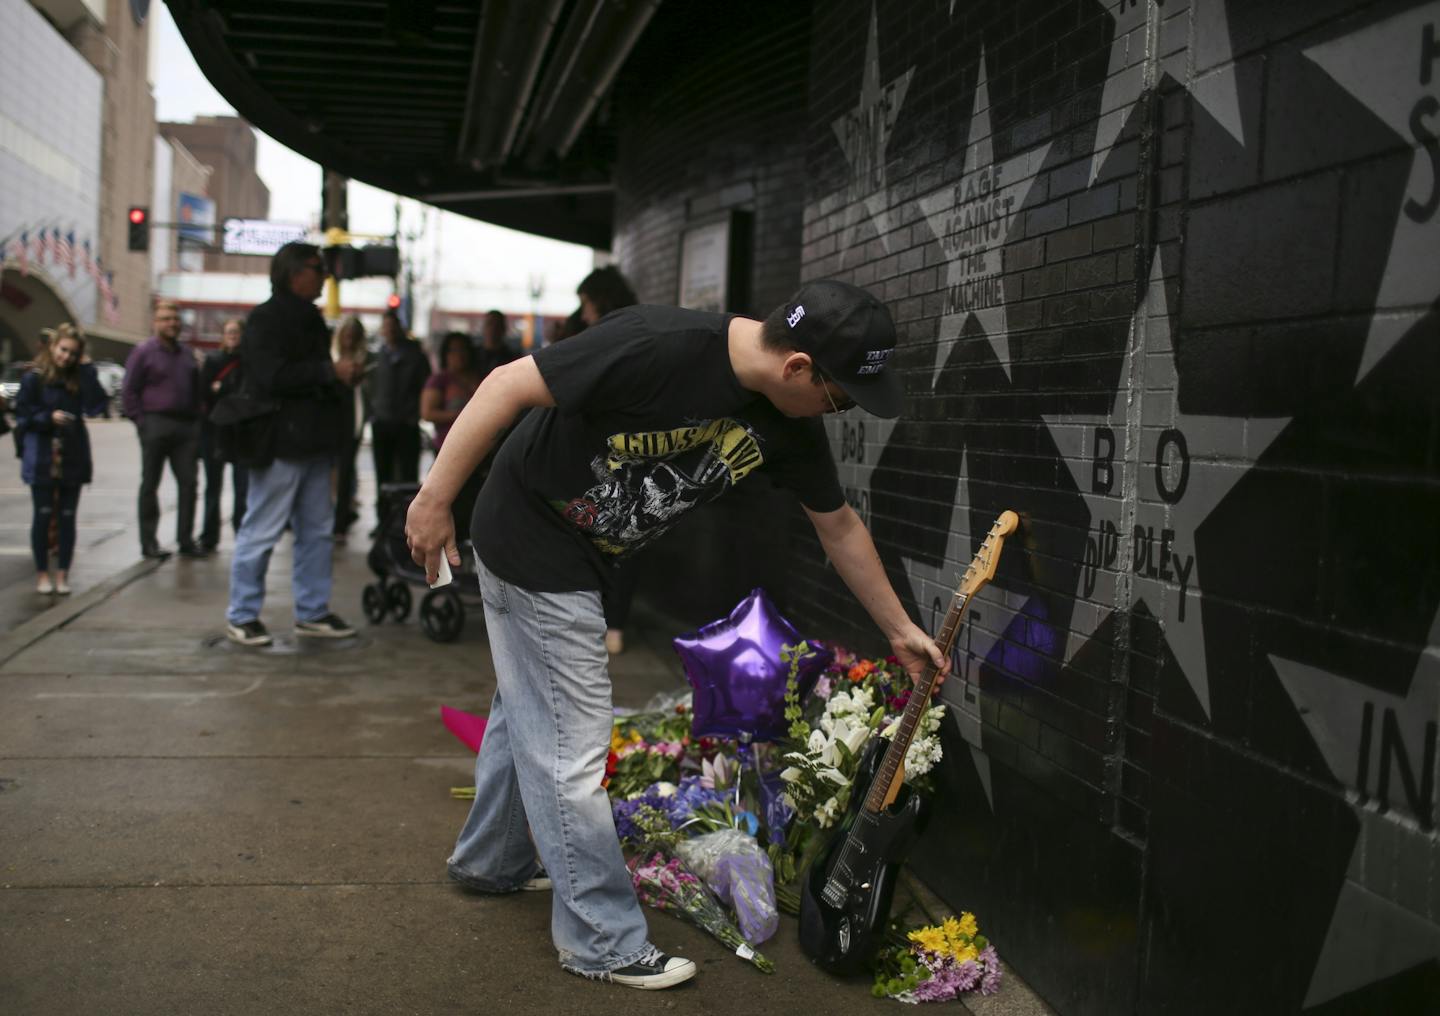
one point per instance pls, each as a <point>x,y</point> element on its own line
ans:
<point>334,237</point>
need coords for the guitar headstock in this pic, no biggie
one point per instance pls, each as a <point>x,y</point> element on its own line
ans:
<point>982,568</point>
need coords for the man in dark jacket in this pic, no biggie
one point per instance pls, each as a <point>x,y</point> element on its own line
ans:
<point>285,354</point>
<point>219,376</point>
<point>401,369</point>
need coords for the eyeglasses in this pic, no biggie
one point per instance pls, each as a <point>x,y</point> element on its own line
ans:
<point>836,408</point>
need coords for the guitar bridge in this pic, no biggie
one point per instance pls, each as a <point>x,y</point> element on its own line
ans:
<point>833,893</point>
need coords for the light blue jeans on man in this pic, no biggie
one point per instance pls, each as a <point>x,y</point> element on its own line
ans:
<point>539,772</point>
<point>296,491</point>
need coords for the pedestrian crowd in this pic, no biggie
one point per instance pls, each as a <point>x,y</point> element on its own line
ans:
<point>282,405</point>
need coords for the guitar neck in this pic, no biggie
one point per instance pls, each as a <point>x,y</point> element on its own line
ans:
<point>980,571</point>
<point>915,708</point>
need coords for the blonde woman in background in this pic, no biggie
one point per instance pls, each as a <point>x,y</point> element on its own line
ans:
<point>50,409</point>
<point>350,344</point>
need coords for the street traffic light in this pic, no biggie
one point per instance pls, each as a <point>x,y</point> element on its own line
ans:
<point>347,262</point>
<point>139,225</point>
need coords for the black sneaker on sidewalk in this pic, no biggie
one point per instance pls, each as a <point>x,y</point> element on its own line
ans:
<point>654,970</point>
<point>155,553</point>
<point>538,883</point>
<point>327,627</point>
<point>193,552</point>
<point>251,633</point>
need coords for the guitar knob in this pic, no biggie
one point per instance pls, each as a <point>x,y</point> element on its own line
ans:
<point>865,886</point>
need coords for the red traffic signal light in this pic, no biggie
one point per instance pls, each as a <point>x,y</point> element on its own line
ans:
<point>393,301</point>
<point>139,229</point>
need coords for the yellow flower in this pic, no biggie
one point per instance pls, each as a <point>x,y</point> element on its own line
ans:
<point>619,740</point>
<point>930,939</point>
<point>966,954</point>
<point>968,925</point>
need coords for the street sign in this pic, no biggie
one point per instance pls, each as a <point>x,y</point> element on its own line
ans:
<point>259,236</point>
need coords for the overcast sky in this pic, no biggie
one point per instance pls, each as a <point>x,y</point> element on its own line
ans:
<point>479,265</point>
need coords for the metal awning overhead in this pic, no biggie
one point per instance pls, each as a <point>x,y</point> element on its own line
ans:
<point>487,109</point>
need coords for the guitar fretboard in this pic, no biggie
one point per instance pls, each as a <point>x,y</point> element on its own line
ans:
<point>969,584</point>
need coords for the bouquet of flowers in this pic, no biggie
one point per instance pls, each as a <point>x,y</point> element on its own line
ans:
<point>737,870</point>
<point>938,963</point>
<point>664,812</point>
<point>858,699</point>
<point>666,884</point>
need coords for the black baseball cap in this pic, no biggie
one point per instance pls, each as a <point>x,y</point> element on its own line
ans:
<point>849,335</point>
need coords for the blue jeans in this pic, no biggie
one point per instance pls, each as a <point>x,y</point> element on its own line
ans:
<point>294,491</point>
<point>540,765</point>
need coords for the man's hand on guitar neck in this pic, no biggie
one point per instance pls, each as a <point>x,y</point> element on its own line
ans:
<point>848,545</point>
<point>915,650</point>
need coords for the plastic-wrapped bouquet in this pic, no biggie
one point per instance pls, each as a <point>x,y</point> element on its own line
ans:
<point>940,962</point>
<point>733,864</point>
<point>666,884</point>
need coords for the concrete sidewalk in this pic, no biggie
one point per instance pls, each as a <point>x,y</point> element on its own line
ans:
<point>187,827</point>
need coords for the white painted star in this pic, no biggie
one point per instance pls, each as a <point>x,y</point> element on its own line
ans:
<point>985,618</point>
<point>1167,572</point>
<point>973,219</point>
<point>1370,65</point>
<point>1371,935</point>
<point>1125,78</point>
<point>864,135</point>
<point>857,440</point>
<point>1078,439</point>
<point>1218,90</point>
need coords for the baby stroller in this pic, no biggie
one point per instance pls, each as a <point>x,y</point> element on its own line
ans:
<point>442,611</point>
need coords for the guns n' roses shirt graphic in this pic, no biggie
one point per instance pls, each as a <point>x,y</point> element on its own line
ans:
<point>646,481</point>
<point>649,423</point>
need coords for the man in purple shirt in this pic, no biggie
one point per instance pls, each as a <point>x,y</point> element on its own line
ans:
<point>162,395</point>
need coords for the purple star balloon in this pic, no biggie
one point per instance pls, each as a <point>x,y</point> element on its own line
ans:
<point>735,668</point>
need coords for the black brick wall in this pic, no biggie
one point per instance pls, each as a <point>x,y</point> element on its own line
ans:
<point>1193,762</point>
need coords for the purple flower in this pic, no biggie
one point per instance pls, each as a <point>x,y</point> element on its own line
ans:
<point>690,796</point>
<point>947,979</point>
<point>967,976</point>
<point>942,984</point>
<point>990,983</point>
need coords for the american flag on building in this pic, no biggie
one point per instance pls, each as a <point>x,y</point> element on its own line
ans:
<point>65,251</point>
<point>111,301</point>
<point>16,249</point>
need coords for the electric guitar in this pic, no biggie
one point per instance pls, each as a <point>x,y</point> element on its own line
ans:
<point>845,894</point>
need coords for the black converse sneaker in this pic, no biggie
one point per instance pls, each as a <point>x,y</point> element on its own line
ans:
<point>251,633</point>
<point>538,883</point>
<point>654,970</point>
<point>327,627</point>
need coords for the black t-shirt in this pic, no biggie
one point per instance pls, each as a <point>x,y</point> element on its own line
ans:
<point>649,422</point>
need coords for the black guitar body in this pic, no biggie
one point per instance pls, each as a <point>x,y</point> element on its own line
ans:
<point>845,895</point>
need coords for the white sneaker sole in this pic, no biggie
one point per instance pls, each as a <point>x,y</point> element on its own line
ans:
<point>245,640</point>
<point>309,633</point>
<point>652,982</point>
